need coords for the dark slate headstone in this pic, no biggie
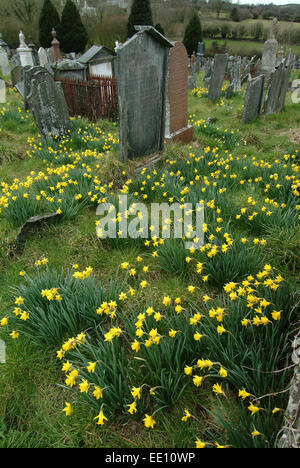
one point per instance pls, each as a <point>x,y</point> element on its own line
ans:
<point>276,90</point>
<point>16,75</point>
<point>229,91</point>
<point>284,87</point>
<point>207,72</point>
<point>142,88</point>
<point>47,103</point>
<point>217,76</point>
<point>15,60</point>
<point>253,98</point>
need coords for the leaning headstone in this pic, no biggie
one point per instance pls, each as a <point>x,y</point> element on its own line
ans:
<point>177,128</point>
<point>43,57</point>
<point>284,87</point>
<point>25,53</point>
<point>4,64</point>
<point>142,87</point>
<point>253,98</point>
<point>269,54</point>
<point>48,105</point>
<point>28,75</point>
<point>217,76</point>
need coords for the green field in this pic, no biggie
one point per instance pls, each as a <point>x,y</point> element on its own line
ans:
<point>195,343</point>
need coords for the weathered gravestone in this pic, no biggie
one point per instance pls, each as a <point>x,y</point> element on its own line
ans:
<point>4,64</point>
<point>47,103</point>
<point>71,69</point>
<point>4,46</point>
<point>2,91</point>
<point>25,53</point>
<point>284,87</point>
<point>20,85</point>
<point>229,91</point>
<point>16,75</point>
<point>269,55</point>
<point>247,70</point>
<point>217,76</point>
<point>276,90</point>
<point>235,75</point>
<point>177,128</point>
<point>15,61</point>
<point>253,98</point>
<point>43,57</point>
<point>142,89</point>
<point>200,52</point>
<point>28,75</point>
<point>207,73</point>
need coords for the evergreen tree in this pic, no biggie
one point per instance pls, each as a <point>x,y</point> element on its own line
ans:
<point>140,14</point>
<point>49,19</point>
<point>234,15</point>
<point>159,28</point>
<point>72,33</point>
<point>193,34</point>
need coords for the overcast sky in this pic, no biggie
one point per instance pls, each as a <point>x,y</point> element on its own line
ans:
<point>265,2</point>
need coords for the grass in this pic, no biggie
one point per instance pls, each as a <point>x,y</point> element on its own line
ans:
<point>247,166</point>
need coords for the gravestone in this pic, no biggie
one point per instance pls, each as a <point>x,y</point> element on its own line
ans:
<point>207,73</point>
<point>2,91</point>
<point>47,103</point>
<point>16,75</point>
<point>217,76</point>
<point>15,60</point>
<point>25,53</point>
<point>247,70</point>
<point>35,55</point>
<point>253,98</point>
<point>4,46</point>
<point>20,85</point>
<point>269,54</point>
<point>28,74</point>
<point>277,89</point>
<point>43,57</point>
<point>71,69</point>
<point>142,89</point>
<point>235,75</point>
<point>200,52</point>
<point>177,128</point>
<point>4,64</point>
<point>229,91</point>
<point>286,71</point>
